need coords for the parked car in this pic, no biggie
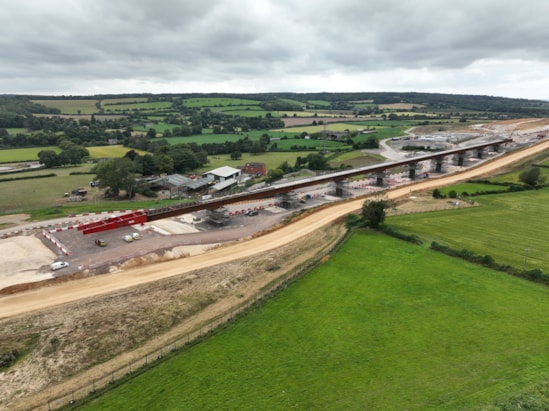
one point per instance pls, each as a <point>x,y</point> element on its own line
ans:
<point>136,236</point>
<point>252,212</point>
<point>59,265</point>
<point>128,238</point>
<point>100,242</point>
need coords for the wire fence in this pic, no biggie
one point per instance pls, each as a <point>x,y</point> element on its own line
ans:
<point>103,382</point>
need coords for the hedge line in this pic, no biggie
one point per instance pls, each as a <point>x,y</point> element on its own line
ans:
<point>3,180</point>
<point>537,275</point>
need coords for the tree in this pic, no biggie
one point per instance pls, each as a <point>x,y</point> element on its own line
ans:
<point>531,177</point>
<point>116,175</point>
<point>373,212</point>
<point>163,163</point>
<point>236,155</point>
<point>49,158</point>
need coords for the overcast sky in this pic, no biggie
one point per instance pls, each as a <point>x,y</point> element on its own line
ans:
<point>85,47</point>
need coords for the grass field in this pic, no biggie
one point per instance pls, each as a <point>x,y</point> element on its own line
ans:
<point>383,325</point>
<point>271,159</point>
<point>471,188</point>
<point>158,105</point>
<point>503,226</point>
<point>71,106</point>
<point>14,155</point>
<point>212,102</point>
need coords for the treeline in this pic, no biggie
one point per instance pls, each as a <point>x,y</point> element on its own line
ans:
<point>535,274</point>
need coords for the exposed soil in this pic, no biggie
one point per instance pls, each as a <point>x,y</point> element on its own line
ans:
<point>107,320</point>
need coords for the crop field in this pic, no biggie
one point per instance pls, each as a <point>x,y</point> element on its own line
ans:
<point>111,151</point>
<point>124,100</point>
<point>76,106</point>
<point>510,227</point>
<point>381,325</point>
<point>14,155</point>
<point>249,113</point>
<point>212,102</point>
<point>157,105</point>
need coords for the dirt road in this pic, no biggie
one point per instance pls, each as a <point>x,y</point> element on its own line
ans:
<point>72,291</point>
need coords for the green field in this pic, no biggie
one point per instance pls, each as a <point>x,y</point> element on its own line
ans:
<point>212,102</point>
<point>503,226</point>
<point>124,100</point>
<point>209,137</point>
<point>25,195</point>
<point>382,325</point>
<point>14,155</point>
<point>271,159</point>
<point>471,188</point>
<point>158,105</point>
<point>76,106</point>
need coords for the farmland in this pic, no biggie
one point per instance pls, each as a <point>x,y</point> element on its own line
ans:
<point>503,226</point>
<point>14,155</point>
<point>78,106</point>
<point>381,325</point>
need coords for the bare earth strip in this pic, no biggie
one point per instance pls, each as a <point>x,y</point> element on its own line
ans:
<point>47,297</point>
<point>126,300</point>
<point>72,291</point>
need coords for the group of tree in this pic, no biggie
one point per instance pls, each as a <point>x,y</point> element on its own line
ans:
<point>73,155</point>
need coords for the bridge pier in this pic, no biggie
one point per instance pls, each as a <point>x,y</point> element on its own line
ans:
<point>460,158</point>
<point>379,176</point>
<point>480,153</point>
<point>288,199</point>
<point>217,216</point>
<point>439,166</point>
<point>412,168</point>
<point>497,147</point>
<point>342,188</point>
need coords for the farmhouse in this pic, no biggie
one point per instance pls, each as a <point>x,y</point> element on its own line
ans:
<point>255,169</point>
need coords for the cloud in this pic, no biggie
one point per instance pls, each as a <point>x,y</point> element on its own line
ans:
<point>68,47</point>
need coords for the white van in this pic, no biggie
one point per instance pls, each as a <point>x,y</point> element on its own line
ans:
<point>59,265</point>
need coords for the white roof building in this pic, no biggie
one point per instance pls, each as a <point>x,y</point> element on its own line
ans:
<point>224,173</point>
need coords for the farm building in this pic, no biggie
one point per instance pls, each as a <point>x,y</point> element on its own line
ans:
<point>255,169</point>
<point>223,173</point>
<point>177,184</point>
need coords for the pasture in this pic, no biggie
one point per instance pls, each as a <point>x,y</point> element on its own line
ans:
<point>153,106</point>
<point>14,155</point>
<point>32,194</point>
<point>271,159</point>
<point>76,106</point>
<point>471,188</point>
<point>212,102</point>
<point>510,227</point>
<point>381,325</point>
<point>208,138</point>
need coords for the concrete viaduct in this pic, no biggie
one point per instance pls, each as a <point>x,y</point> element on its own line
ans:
<point>337,177</point>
